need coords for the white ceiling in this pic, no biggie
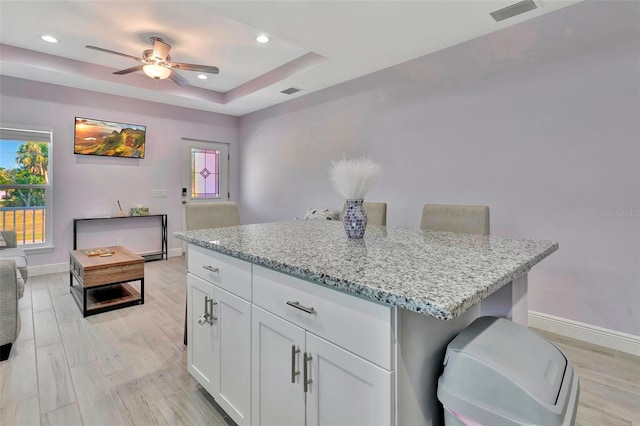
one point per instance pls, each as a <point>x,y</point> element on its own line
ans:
<point>314,44</point>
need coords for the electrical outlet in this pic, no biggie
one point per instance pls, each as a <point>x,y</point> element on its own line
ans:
<point>118,241</point>
<point>159,193</point>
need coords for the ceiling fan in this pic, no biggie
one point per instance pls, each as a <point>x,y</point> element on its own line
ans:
<point>156,63</point>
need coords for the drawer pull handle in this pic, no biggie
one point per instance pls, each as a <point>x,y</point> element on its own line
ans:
<point>294,371</point>
<point>212,269</point>
<point>297,305</point>
<point>307,371</point>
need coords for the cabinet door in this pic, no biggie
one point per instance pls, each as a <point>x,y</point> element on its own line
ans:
<point>278,395</point>
<point>202,354</point>
<point>233,389</point>
<point>345,389</point>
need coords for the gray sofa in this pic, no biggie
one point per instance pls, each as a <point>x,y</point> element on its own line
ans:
<point>13,276</point>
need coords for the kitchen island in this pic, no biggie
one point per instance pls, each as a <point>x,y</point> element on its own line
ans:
<point>307,327</point>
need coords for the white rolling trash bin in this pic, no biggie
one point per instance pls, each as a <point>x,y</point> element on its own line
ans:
<point>497,372</point>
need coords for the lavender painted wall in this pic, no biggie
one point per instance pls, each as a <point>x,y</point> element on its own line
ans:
<point>88,186</point>
<point>539,121</point>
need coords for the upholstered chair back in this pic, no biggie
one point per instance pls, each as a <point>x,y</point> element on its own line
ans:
<point>204,215</point>
<point>456,218</point>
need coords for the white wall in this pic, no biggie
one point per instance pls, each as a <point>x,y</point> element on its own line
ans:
<point>540,122</point>
<point>89,186</point>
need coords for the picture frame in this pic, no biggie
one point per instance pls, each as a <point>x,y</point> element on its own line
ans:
<point>109,138</point>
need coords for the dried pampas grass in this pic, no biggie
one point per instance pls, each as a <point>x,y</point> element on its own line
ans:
<point>353,178</point>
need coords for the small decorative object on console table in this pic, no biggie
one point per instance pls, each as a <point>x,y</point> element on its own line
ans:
<point>139,210</point>
<point>352,179</point>
<point>120,212</point>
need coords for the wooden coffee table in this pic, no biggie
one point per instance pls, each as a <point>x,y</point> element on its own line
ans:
<point>103,281</point>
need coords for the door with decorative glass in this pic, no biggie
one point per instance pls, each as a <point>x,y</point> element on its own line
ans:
<point>205,173</point>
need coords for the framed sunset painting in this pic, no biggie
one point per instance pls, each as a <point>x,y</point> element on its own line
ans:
<point>108,138</point>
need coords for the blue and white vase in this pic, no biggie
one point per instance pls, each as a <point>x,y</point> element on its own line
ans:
<point>355,219</point>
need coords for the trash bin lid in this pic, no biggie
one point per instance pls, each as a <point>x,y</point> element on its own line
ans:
<point>525,358</point>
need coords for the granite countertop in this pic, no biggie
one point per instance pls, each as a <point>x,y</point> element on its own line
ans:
<point>441,274</point>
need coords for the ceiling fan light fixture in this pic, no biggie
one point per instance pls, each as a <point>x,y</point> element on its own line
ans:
<point>262,38</point>
<point>159,69</point>
<point>202,76</point>
<point>156,72</point>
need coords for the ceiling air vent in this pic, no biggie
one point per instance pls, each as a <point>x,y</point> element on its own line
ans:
<point>513,10</point>
<point>290,91</point>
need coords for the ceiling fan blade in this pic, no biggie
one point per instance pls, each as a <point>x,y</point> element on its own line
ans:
<point>160,49</point>
<point>129,70</point>
<point>178,79</point>
<point>113,52</point>
<point>193,67</point>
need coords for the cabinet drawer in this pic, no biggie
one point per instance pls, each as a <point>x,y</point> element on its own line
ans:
<point>226,272</point>
<point>361,326</point>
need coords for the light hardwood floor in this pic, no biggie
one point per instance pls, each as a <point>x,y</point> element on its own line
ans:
<point>129,366</point>
<point>124,367</point>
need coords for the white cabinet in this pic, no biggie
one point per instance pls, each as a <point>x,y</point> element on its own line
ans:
<point>225,272</point>
<point>360,326</point>
<point>345,389</point>
<point>273,349</point>
<point>233,347</point>
<point>219,350</point>
<point>299,378</point>
<point>278,395</point>
<point>201,337</point>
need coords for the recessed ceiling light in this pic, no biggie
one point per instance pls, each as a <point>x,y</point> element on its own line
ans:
<point>49,39</point>
<point>202,76</point>
<point>262,39</point>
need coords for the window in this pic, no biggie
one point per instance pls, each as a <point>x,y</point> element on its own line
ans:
<point>25,184</point>
<point>205,173</point>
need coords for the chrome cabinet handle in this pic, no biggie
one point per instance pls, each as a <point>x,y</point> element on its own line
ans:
<point>307,371</point>
<point>297,305</point>
<point>211,305</point>
<point>207,317</point>
<point>207,310</point>
<point>294,372</point>
<point>212,269</point>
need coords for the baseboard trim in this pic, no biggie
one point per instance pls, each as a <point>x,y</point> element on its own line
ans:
<point>55,268</point>
<point>175,252</point>
<point>612,339</point>
<point>52,268</point>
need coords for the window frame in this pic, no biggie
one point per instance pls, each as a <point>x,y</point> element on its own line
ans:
<point>27,133</point>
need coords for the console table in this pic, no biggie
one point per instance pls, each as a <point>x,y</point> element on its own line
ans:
<point>163,254</point>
